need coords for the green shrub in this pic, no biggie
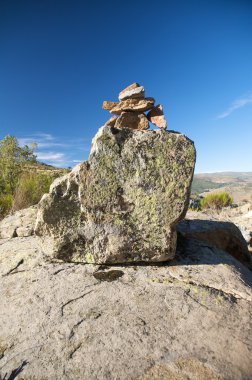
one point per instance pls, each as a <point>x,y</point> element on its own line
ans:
<point>6,201</point>
<point>22,183</point>
<point>12,158</point>
<point>216,201</point>
<point>30,188</point>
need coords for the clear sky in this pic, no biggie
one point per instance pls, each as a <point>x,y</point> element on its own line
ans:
<point>60,59</point>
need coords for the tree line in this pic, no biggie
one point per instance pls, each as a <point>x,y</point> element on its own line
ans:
<point>19,186</point>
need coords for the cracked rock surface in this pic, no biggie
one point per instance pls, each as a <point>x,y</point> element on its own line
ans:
<point>190,318</point>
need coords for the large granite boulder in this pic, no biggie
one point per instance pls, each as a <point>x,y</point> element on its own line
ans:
<point>185,319</point>
<point>123,204</point>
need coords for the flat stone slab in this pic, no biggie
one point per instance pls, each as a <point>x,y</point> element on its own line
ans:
<point>107,105</point>
<point>133,105</point>
<point>132,91</point>
<point>72,321</point>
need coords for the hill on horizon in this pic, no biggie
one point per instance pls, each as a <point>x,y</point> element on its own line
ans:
<point>237,184</point>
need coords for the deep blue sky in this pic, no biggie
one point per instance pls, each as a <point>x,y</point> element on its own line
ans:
<point>60,59</point>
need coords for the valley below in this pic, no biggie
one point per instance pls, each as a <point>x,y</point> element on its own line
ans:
<point>237,184</point>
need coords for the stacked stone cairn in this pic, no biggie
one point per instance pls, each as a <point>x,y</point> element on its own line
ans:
<point>131,108</point>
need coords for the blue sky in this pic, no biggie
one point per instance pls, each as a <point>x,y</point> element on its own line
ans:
<point>60,59</point>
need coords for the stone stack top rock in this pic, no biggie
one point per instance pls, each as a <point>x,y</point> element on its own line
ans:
<point>132,91</point>
<point>131,107</point>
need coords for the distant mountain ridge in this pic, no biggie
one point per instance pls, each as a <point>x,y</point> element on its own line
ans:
<point>230,176</point>
<point>40,167</point>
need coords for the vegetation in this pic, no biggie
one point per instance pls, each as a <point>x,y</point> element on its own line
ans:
<point>22,181</point>
<point>30,189</point>
<point>12,156</point>
<point>216,201</point>
<point>201,185</point>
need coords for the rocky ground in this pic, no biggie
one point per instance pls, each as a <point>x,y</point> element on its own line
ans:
<point>64,317</point>
<point>190,318</point>
<point>240,216</point>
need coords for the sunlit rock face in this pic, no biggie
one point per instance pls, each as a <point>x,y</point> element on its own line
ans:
<point>123,204</point>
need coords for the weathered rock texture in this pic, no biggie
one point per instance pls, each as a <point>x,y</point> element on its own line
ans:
<point>223,235</point>
<point>124,203</point>
<point>133,120</point>
<point>136,105</point>
<point>19,224</point>
<point>189,319</point>
<point>157,117</point>
<point>112,121</point>
<point>109,105</point>
<point>132,91</point>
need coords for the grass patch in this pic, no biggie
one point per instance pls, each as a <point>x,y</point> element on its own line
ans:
<point>216,201</point>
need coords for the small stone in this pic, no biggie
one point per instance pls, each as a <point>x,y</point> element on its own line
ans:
<point>111,122</point>
<point>132,120</point>
<point>132,91</point>
<point>107,105</point>
<point>156,117</point>
<point>129,88</point>
<point>25,231</point>
<point>136,105</point>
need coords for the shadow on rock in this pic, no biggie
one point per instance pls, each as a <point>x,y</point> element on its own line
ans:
<point>222,235</point>
<point>108,276</point>
<point>190,252</point>
<point>15,372</point>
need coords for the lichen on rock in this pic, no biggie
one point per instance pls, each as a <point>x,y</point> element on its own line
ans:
<point>123,204</point>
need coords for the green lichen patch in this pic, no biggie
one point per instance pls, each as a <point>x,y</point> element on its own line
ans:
<point>89,258</point>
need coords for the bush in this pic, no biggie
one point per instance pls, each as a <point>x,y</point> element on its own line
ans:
<point>30,189</point>
<point>21,184</point>
<point>6,201</point>
<point>216,201</point>
<point>12,158</point>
